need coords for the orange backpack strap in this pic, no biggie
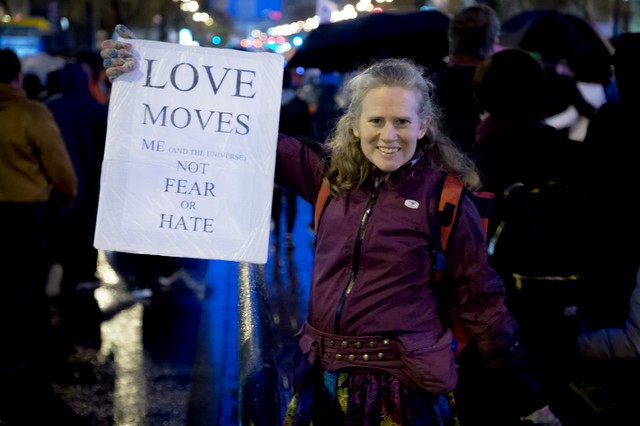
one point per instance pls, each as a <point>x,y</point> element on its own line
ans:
<point>448,207</point>
<point>482,201</point>
<point>321,203</point>
<point>447,210</point>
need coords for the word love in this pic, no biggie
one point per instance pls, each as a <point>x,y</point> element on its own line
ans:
<point>185,78</point>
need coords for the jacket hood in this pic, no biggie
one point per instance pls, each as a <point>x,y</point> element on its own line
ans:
<point>9,93</point>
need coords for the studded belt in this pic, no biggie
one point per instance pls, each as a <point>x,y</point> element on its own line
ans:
<point>336,352</point>
<point>425,367</point>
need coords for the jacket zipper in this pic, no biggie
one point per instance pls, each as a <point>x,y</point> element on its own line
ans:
<point>356,256</point>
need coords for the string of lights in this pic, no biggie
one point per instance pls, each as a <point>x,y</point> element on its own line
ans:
<point>283,38</point>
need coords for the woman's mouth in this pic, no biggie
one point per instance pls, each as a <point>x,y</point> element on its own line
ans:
<point>386,150</point>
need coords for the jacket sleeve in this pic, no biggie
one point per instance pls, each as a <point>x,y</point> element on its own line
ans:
<point>477,291</point>
<point>300,166</point>
<point>615,343</point>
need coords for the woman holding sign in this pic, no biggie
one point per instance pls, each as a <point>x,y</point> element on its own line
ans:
<point>377,344</point>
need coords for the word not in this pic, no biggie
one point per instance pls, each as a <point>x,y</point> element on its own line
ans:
<point>192,166</point>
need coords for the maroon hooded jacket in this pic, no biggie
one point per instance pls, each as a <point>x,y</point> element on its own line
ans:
<point>373,276</point>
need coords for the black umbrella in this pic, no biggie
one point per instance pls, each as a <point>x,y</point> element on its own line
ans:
<point>560,36</point>
<point>344,46</point>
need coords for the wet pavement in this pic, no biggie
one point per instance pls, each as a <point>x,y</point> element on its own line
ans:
<point>163,350</point>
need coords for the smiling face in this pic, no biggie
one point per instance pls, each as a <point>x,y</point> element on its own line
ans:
<point>389,127</point>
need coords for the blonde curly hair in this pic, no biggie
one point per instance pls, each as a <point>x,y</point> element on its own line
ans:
<point>349,168</point>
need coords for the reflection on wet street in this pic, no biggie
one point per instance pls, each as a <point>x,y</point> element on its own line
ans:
<point>166,351</point>
<point>122,337</point>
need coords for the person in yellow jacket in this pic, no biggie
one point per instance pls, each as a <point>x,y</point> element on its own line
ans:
<point>33,162</point>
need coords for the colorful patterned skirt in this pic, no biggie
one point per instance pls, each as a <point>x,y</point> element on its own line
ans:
<point>367,399</point>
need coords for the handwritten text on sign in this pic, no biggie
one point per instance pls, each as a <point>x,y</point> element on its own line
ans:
<point>190,155</point>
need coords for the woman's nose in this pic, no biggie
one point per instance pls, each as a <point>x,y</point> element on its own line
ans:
<point>389,132</point>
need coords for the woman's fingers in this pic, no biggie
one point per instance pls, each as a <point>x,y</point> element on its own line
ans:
<point>116,67</point>
<point>116,45</point>
<point>124,32</point>
<point>117,56</point>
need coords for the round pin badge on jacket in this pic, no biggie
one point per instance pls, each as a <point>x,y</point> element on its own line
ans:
<point>412,204</point>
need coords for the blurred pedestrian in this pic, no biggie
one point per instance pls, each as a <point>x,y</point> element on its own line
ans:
<point>52,85</point>
<point>535,172</point>
<point>295,119</point>
<point>613,150</point>
<point>473,36</point>
<point>376,346</point>
<point>99,84</point>
<point>83,123</point>
<point>33,161</point>
<point>33,86</point>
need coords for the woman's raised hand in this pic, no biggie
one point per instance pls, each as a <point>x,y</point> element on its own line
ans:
<point>117,57</point>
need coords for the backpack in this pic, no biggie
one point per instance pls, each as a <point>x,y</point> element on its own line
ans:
<point>449,199</point>
<point>537,243</point>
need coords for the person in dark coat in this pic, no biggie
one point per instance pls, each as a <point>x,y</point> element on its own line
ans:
<point>82,121</point>
<point>295,119</point>
<point>473,36</point>
<point>610,343</point>
<point>613,151</point>
<point>514,146</point>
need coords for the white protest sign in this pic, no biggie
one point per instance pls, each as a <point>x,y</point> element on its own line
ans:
<point>190,154</point>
